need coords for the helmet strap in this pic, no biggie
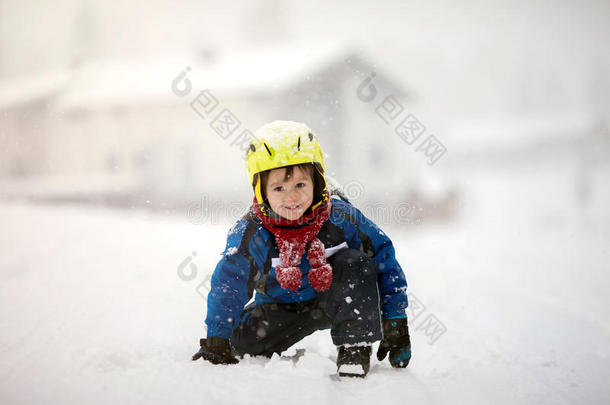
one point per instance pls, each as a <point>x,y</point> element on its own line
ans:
<point>258,192</point>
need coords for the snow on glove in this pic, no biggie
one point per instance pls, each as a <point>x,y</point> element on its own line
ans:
<point>215,350</point>
<point>396,341</point>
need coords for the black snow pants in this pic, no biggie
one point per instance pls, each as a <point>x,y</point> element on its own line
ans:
<point>350,308</point>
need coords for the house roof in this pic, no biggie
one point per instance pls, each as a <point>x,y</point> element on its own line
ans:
<point>149,80</point>
<point>271,70</point>
<point>27,90</point>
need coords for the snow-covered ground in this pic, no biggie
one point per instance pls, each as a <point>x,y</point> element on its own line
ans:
<point>93,309</point>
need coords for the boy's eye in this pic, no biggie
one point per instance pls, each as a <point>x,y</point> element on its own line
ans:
<point>278,188</point>
<point>301,185</point>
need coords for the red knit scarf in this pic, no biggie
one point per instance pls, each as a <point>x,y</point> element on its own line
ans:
<point>292,242</point>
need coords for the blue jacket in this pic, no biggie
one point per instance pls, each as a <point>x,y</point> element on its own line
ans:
<point>246,266</point>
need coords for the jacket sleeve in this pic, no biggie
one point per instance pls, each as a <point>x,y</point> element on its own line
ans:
<point>391,278</point>
<point>229,287</point>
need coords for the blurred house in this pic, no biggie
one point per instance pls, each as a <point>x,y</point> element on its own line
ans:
<point>24,110</point>
<point>552,167</point>
<point>136,132</point>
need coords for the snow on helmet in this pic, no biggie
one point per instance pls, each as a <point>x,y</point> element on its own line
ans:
<point>280,144</point>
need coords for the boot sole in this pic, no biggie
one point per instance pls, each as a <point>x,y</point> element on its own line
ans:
<point>352,370</point>
<point>351,375</point>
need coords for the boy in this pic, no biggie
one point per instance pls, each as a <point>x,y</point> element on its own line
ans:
<point>314,261</point>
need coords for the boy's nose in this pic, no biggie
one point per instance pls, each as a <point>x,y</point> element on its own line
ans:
<point>293,195</point>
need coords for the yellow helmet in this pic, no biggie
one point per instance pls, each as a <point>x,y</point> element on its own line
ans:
<point>280,144</point>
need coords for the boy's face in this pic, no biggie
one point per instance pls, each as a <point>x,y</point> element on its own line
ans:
<point>292,197</point>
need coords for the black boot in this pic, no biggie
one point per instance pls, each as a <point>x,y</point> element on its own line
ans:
<point>353,361</point>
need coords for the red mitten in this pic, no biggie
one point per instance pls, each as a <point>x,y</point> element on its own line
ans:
<point>320,278</point>
<point>288,277</point>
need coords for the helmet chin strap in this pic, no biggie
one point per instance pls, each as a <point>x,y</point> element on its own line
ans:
<point>259,194</point>
<point>325,193</point>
